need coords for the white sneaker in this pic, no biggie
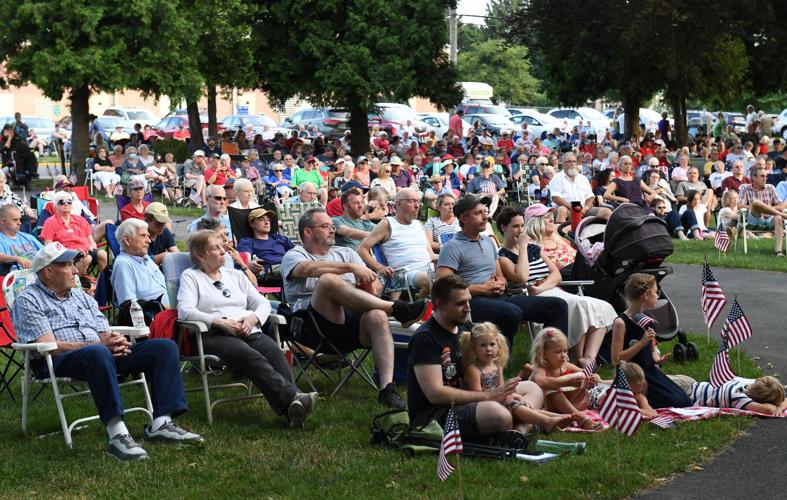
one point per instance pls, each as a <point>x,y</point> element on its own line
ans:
<point>172,433</point>
<point>124,448</point>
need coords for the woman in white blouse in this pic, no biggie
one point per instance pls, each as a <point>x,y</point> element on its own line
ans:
<point>234,311</point>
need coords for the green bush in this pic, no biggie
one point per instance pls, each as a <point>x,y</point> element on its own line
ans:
<point>178,149</point>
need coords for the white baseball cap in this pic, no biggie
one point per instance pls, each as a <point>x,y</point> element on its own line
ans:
<point>51,253</point>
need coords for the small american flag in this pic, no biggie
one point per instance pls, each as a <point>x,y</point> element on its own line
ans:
<point>712,298</point>
<point>722,239</point>
<point>452,443</point>
<point>736,326</point>
<point>720,371</point>
<point>590,369</point>
<point>663,421</point>
<point>620,408</point>
<point>644,321</point>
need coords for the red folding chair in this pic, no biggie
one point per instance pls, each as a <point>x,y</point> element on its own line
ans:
<point>10,366</point>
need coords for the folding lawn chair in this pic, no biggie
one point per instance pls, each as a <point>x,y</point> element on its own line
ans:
<point>173,266</point>
<point>13,284</point>
<point>743,216</point>
<point>288,216</point>
<point>12,366</point>
<point>397,282</point>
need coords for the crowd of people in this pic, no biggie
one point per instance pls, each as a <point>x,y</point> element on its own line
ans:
<point>365,259</point>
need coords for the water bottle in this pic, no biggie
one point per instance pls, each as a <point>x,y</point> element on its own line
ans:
<point>560,447</point>
<point>137,315</point>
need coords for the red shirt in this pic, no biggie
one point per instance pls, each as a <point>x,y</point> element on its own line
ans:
<point>508,144</point>
<point>455,126</point>
<point>221,178</point>
<point>334,207</point>
<point>731,183</point>
<point>129,212</point>
<point>75,236</point>
<point>180,135</point>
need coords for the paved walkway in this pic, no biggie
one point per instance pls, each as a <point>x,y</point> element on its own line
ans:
<point>755,463</point>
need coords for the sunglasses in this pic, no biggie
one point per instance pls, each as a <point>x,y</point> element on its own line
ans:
<point>220,198</point>
<point>65,202</point>
<point>224,291</point>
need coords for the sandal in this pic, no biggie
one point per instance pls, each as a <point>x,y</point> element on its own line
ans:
<point>780,254</point>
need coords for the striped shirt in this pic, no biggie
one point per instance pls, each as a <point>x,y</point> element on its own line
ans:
<point>766,195</point>
<point>729,395</point>
<point>439,228</point>
<point>539,270</point>
<point>75,318</point>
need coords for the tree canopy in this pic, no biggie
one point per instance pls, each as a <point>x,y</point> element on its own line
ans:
<point>376,50</point>
<point>503,66</point>
<point>77,47</point>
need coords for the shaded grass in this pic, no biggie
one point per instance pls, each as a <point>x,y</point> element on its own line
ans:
<point>248,453</point>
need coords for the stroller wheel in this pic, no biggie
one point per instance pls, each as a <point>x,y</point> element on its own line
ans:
<point>679,353</point>
<point>692,352</point>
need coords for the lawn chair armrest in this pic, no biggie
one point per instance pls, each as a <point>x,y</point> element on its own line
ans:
<point>40,347</point>
<point>277,319</point>
<point>130,331</point>
<point>193,326</point>
<point>578,283</point>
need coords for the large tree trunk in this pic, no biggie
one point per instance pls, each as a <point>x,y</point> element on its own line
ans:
<point>681,131</point>
<point>195,126</point>
<point>80,140</point>
<point>212,122</point>
<point>631,104</point>
<point>359,128</point>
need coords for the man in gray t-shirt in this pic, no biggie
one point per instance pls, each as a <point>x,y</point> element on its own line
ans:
<point>331,287</point>
<point>353,225</point>
<point>473,256</point>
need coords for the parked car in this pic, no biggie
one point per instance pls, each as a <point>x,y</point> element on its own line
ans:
<point>737,120</point>
<point>43,126</point>
<point>538,124</point>
<point>105,125</point>
<point>133,115</point>
<point>325,121</point>
<point>260,123</point>
<point>475,108</point>
<point>590,116</point>
<point>497,124</point>
<point>780,125</point>
<point>167,126</point>
<point>439,123</point>
<point>393,117</point>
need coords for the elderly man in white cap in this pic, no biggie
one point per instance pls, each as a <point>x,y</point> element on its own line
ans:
<point>52,310</point>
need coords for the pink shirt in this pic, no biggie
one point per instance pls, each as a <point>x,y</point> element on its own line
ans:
<point>75,235</point>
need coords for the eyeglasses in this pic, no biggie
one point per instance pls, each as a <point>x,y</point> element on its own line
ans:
<point>220,198</point>
<point>412,200</point>
<point>224,291</point>
<point>327,227</point>
<point>64,202</point>
<point>135,188</point>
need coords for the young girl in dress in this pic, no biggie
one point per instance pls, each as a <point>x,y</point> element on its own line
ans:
<point>564,384</point>
<point>485,355</point>
<point>630,342</point>
<point>636,379</point>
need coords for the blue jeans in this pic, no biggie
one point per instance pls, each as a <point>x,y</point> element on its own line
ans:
<point>686,222</point>
<point>508,312</point>
<point>157,358</point>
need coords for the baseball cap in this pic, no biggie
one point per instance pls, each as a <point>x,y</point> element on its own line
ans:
<point>537,210</point>
<point>469,201</point>
<point>361,159</point>
<point>136,184</point>
<point>159,212</point>
<point>199,152</point>
<point>257,213</point>
<point>54,252</point>
<point>395,160</point>
<point>447,162</point>
<point>230,183</point>
<point>653,162</point>
<point>352,184</point>
<point>311,159</point>
<point>62,183</point>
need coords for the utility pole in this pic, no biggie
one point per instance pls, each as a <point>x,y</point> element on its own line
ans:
<point>453,28</point>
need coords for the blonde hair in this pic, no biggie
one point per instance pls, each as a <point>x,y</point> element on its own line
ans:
<point>637,285</point>
<point>766,390</point>
<point>635,375</point>
<point>534,227</point>
<point>727,196</point>
<point>469,339</point>
<point>546,337</point>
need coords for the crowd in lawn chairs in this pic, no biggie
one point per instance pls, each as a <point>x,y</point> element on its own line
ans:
<point>309,261</point>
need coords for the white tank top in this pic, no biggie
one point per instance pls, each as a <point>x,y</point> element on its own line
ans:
<point>406,248</point>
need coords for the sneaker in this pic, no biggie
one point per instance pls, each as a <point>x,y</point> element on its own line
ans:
<point>307,399</point>
<point>172,433</point>
<point>390,398</point>
<point>124,448</point>
<point>408,313</point>
<point>296,413</point>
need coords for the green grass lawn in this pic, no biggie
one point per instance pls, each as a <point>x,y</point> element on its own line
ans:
<point>248,453</point>
<point>761,255</point>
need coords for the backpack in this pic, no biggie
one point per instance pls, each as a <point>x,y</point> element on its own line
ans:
<point>392,429</point>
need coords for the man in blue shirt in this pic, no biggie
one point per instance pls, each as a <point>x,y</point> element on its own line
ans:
<point>16,248</point>
<point>134,274</point>
<point>266,248</point>
<point>217,208</point>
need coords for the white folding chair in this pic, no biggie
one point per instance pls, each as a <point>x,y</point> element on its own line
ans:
<point>13,284</point>
<point>173,266</point>
<point>743,220</point>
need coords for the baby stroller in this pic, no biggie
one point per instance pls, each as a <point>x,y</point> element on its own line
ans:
<point>631,241</point>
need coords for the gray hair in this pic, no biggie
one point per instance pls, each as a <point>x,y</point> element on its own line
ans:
<point>144,147</point>
<point>243,184</point>
<point>214,189</point>
<point>568,155</point>
<point>129,228</point>
<point>198,244</point>
<point>61,195</point>
<point>307,219</point>
<point>305,185</point>
<point>210,224</point>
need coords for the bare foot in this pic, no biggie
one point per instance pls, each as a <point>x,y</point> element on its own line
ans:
<point>525,372</point>
<point>557,422</point>
<point>588,424</point>
<point>584,361</point>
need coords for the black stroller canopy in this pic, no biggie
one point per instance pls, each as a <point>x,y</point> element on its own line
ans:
<point>632,235</point>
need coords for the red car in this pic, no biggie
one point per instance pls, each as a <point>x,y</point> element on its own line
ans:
<point>167,127</point>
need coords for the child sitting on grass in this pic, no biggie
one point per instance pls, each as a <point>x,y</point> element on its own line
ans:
<point>485,355</point>
<point>637,383</point>
<point>764,395</point>
<point>564,384</point>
